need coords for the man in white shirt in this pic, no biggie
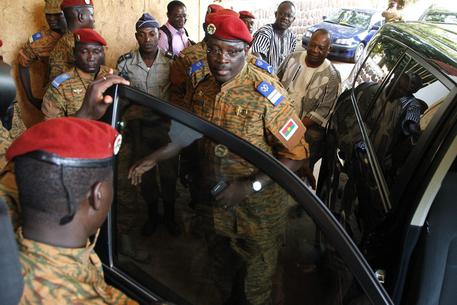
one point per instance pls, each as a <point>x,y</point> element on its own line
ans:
<point>313,84</point>
<point>173,36</point>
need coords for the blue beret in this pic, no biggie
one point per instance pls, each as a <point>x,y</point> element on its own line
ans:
<point>146,21</point>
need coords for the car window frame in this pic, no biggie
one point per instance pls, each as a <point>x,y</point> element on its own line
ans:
<point>316,209</point>
<point>394,194</point>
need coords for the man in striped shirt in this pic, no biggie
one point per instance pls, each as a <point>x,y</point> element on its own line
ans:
<point>273,42</point>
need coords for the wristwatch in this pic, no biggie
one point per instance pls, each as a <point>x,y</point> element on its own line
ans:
<point>256,186</point>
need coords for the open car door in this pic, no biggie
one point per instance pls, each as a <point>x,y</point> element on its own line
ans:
<point>179,266</point>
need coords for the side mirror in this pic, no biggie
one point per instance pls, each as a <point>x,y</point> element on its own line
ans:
<point>324,17</point>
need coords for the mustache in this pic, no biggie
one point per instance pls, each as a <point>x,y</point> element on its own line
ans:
<point>221,67</point>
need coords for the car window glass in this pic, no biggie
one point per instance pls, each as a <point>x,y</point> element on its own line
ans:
<point>380,62</point>
<point>203,257</point>
<point>396,108</point>
<point>351,18</point>
<point>401,113</point>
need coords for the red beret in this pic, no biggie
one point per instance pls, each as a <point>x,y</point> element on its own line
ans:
<point>246,14</point>
<point>213,8</point>
<point>88,36</point>
<point>73,3</point>
<point>68,137</point>
<point>227,26</point>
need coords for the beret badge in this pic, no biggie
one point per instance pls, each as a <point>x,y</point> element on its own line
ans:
<point>211,29</point>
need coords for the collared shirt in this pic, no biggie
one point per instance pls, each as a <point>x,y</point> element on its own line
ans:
<point>153,80</point>
<point>273,47</point>
<point>313,91</point>
<point>180,41</point>
<point>54,275</point>
<point>66,93</point>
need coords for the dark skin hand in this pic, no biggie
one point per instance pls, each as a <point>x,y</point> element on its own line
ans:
<point>95,103</point>
<point>140,167</point>
<point>307,122</point>
<point>238,190</point>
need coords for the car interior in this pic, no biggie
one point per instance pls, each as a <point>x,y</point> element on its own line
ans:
<point>366,190</point>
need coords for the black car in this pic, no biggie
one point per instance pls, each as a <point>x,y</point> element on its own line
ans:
<point>380,234</point>
<point>438,14</point>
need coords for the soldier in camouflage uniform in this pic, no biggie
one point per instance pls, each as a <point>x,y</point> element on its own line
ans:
<point>66,93</point>
<point>78,14</point>
<point>39,47</point>
<point>54,242</point>
<point>191,66</point>
<point>243,223</point>
<point>5,142</point>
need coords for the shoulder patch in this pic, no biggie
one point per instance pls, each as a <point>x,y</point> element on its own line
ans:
<point>60,79</point>
<point>35,37</point>
<point>270,93</point>
<point>288,130</point>
<point>262,64</point>
<point>195,67</point>
<point>124,57</point>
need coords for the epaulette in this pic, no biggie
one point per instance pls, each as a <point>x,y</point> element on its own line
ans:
<point>270,93</point>
<point>60,79</point>
<point>262,64</point>
<point>195,67</point>
<point>35,37</point>
<point>198,81</point>
<point>124,57</point>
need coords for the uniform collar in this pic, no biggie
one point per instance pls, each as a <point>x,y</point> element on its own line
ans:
<point>138,60</point>
<point>56,256</point>
<point>90,76</point>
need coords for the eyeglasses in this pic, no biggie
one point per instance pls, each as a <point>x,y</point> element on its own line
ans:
<point>231,53</point>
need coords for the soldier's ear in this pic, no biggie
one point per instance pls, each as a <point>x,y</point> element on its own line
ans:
<point>95,197</point>
<point>81,17</point>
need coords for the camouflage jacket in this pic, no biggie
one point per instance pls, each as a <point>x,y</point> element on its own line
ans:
<point>179,69</point>
<point>254,108</point>
<point>5,142</point>
<point>38,48</point>
<point>54,275</point>
<point>66,93</point>
<point>191,67</point>
<point>61,58</point>
<point>10,194</point>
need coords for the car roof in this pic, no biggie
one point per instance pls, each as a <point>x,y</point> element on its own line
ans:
<point>362,10</point>
<point>436,43</point>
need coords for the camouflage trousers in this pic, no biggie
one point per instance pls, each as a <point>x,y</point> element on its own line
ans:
<point>243,263</point>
